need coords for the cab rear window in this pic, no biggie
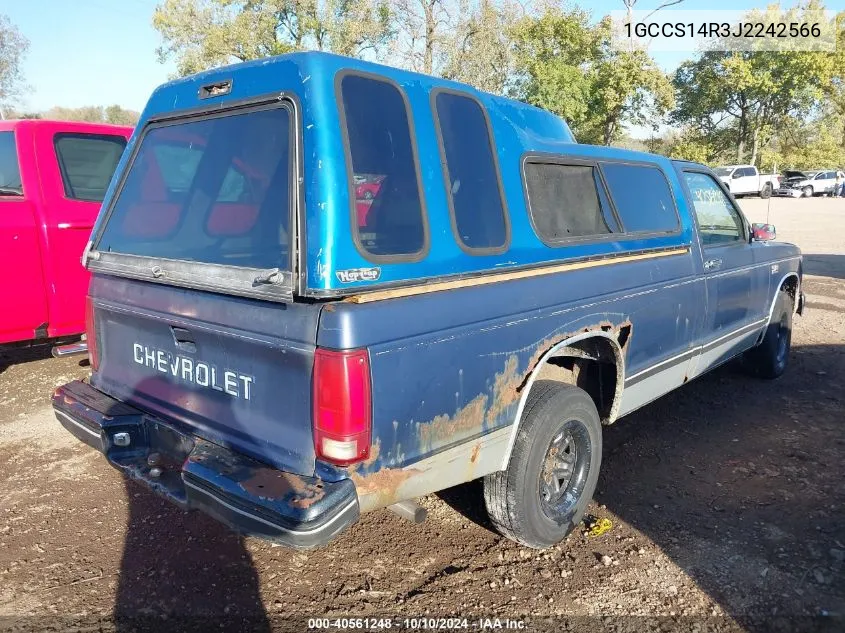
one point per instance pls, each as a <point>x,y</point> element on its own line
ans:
<point>213,190</point>
<point>642,198</point>
<point>87,163</point>
<point>384,183</point>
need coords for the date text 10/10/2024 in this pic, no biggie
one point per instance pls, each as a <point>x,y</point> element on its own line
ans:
<point>423,623</point>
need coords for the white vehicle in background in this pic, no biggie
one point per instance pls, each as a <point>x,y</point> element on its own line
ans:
<point>745,180</point>
<point>806,184</point>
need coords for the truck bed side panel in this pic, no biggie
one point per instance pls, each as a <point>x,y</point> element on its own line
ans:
<point>449,366</point>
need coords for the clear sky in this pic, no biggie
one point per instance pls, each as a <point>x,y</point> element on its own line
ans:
<point>88,52</point>
<point>101,52</point>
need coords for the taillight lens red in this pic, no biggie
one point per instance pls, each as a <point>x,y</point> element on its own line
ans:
<point>91,334</point>
<point>342,405</point>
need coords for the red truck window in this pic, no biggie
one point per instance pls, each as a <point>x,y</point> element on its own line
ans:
<point>87,162</point>
<point>10,173</point>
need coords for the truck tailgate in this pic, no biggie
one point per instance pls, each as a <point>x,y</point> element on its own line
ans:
<point>234,371</point>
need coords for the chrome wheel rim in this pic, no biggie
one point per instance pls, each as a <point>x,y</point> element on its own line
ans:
<point>564,470</point>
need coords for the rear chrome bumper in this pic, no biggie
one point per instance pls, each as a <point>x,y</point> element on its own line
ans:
<point>71,349</point>
<point>248,496</point>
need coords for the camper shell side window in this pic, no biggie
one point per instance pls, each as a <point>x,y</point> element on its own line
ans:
<point>388,214</point>
<point>567,201</point>
<point>468,156</point>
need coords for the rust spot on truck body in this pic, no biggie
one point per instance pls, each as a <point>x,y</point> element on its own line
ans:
<point>256,479</point>
<point>447,432</point>
<point>467,422</point>
<point>506,386</point>
<point>475,450</point>
<point>381,488</point>
<point>271,484</point>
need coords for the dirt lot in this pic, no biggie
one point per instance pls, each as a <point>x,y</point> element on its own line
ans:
<point>726,497</point>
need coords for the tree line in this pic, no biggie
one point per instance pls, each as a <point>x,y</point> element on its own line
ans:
<point>113,114</point>
<point>773,109</point>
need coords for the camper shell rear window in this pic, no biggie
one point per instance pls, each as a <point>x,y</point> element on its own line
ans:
<point>212,189</point>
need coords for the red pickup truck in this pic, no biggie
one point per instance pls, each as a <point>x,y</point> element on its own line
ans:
<point>53,177</point>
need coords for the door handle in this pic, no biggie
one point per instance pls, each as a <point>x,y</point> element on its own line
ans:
<point>713,264</point>
<point>184,339</point>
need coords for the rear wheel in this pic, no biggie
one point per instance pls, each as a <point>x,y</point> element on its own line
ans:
<point>766,191</point>
<point>553,469</point>
<point>770,358</point>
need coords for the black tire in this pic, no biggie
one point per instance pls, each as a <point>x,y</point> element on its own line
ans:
<point>770,358</point>
<point>766,191</point>
<point>559,426</point>
<point>807,192</point>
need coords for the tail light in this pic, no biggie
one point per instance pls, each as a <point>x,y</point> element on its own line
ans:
<point>91,334</point>
<point>342,406</point>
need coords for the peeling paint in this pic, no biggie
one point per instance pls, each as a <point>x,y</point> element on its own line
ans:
<point>381,488</point>
<point>375,450</point>
<point>458,442</point>
<point>506,385</point>
<point>270,484</point>
<point>258,480</point>
<point>466,422</point>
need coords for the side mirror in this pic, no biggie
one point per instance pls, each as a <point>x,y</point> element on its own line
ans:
<point>763,232</point>
<point>736,174</point>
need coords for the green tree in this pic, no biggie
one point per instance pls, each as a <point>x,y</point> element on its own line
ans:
<point>118,116</point>
<point>569,66</point>
<point>479,51</point>
<point>13,48</point>
<point>751,92</point>
<point>807,144</point>
<point>201,34</point>
<point>691,145</point>
<point>834,85</point>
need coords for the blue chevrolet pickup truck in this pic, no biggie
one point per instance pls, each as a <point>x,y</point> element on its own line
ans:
<point>323,286</point>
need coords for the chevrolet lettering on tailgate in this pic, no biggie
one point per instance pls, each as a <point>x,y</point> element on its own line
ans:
<point>194,371</point>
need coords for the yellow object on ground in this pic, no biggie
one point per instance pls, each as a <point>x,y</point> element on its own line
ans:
<point>599,527</point>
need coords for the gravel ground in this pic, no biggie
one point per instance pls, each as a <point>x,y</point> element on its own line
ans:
<point>726,499</point>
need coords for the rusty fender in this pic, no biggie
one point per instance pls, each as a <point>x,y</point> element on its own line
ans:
<point>619,337</point>
<point>458,464</point>
<point>484,451</point>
